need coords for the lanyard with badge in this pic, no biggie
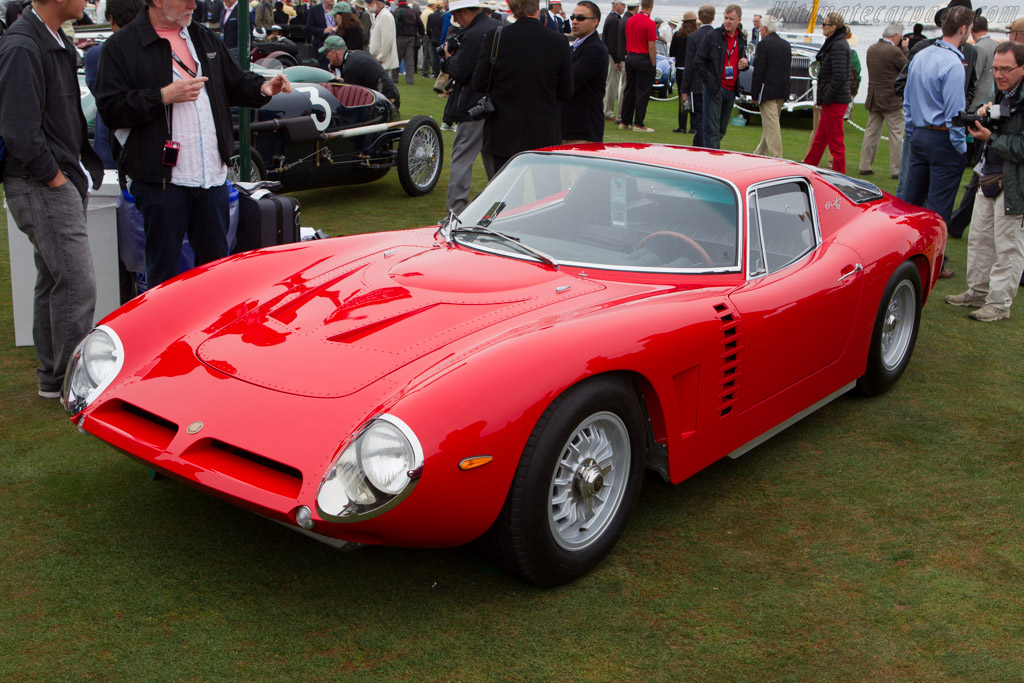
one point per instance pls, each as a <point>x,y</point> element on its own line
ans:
<point>171,148</point>
<point>728,56</point>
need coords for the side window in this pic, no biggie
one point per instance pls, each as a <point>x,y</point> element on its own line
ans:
<point>786,222</point>
<point>755,260</point>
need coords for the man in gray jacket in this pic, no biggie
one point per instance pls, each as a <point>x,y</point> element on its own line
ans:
<point>885,61</point>
<point>47,176</point>
<point>985,47</point>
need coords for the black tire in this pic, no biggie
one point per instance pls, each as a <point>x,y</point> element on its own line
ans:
<point>420,156</point>
<point>895,331</point>
<point>557,478</point>
<point>259,169</point>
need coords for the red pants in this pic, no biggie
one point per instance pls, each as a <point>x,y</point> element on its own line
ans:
<point>830,132</point>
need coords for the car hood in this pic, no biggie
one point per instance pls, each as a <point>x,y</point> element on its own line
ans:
<point>364,319</point>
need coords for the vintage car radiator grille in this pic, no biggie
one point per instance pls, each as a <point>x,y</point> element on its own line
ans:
<point>245,466</point>
<point>731,356</point>
<point>143,425</point>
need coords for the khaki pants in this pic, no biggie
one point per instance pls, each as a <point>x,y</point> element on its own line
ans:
<point>995,251</point>
<point>873,134</point>
<point>771,132</point>
<point>613,90</point>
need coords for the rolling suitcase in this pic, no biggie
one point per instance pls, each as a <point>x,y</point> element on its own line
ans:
<point>265,219</point>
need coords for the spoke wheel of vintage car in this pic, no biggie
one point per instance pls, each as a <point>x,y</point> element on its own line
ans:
<point>420,156</point>
<point>575,486</point>
<point>895,331</point>
<point>259,169</point>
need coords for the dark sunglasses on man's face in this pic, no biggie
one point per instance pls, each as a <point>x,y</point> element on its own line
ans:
<point>579,17</point>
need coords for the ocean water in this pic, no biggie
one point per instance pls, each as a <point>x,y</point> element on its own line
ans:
<point>867,20</point>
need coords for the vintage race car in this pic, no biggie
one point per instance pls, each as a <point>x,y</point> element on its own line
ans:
<point>324,134</point>
<point>508,376</point>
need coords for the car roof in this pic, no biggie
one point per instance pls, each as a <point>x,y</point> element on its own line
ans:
<point>738,168</point>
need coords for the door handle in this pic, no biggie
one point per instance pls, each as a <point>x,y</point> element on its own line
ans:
<point>856,269</point>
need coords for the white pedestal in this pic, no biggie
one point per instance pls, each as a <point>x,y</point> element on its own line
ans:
<point>102,218</point>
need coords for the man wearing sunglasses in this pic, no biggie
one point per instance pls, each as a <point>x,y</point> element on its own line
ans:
<point>583,115</point>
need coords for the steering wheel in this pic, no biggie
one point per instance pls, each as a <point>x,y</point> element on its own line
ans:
<point>692,243</point>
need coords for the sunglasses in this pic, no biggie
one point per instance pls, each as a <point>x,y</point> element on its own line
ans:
<point>579,17</point>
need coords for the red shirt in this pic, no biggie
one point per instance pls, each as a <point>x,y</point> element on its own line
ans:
<point>640,30</point>
<point>732,58</point>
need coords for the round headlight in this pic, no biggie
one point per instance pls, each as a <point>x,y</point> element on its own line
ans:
<point>93,366</point>
<point>374,471</point>
<point>386,457</point>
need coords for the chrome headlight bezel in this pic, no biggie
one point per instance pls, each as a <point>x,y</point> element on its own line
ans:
<point>349,493</point>
<point>95,363</point>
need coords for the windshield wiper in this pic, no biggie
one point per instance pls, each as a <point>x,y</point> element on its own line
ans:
<point>482,229</point>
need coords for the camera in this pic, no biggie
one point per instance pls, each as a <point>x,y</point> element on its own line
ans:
<point>482,110</point>
<point>991,120</point>
<point>171,149</point>
<point>452,44</point>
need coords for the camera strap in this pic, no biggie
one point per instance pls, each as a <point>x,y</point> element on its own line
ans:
<point>494,55</point>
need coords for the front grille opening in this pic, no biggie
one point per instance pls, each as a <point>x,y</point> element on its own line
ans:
<point>245,466</point>
<point>143,426</point>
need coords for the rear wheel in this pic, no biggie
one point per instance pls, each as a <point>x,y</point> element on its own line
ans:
<point>575,486</point>
<point>895,331</point>
<point>420,156</point>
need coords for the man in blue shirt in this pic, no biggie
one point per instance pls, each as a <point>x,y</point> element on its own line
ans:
<point>933,97</point>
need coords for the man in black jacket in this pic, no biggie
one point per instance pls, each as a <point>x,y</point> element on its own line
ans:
<point>616,53</point>
<point>469,135</point>
<point>770,85</point>
<point>45,181</point>
<point>582,117</point>
<point>719,60</point>
<point>169,83</point>
<point>357,67</point>
<point>692,86</point>
<point>531,75</point>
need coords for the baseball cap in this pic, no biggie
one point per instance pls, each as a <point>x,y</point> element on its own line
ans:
<point>333,43</point>
<point>340,8</point>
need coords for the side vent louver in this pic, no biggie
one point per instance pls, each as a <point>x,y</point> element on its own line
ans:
<point>732,356</point>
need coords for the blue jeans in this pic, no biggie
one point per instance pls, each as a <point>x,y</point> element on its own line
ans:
<point>717,113</point>
<point>168,214</point>
<point>934,173</point>
<point>904,165</point>
<point>54,219</point>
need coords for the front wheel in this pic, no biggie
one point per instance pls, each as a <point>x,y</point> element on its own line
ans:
<point>575,486</point>
<point>258,168</point>
<point>895,331</point>
<point>420,156</point>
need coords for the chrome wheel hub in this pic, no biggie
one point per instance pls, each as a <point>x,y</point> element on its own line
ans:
<point>898,325</point>
<point>589,481</point>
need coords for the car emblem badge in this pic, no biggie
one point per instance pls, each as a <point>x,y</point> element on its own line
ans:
<point>195,427</point>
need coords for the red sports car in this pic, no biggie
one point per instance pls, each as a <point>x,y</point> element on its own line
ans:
<point>507,376</point>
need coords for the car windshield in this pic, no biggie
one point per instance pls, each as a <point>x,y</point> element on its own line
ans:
<point>661,47</point>
<point>603,213</point>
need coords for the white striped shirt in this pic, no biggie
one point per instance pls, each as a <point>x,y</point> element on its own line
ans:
<point>199,161</point>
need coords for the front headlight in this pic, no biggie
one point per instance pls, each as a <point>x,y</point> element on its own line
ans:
<point>657,74</point>
<point>93,366</point>
<point>375,470</point>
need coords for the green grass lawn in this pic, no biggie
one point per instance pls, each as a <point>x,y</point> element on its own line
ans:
<point>876,540</point>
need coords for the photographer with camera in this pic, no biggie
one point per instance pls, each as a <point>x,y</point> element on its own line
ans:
<point>530,75</point>
<point>995,246</point>
<point>461,52</point>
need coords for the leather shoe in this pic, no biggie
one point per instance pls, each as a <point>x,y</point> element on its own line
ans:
<point>946,273</point>
<point>867,172</point>
<point>678,130</point>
